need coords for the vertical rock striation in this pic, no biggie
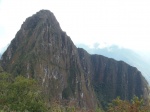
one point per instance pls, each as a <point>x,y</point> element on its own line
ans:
<point>43,51</point>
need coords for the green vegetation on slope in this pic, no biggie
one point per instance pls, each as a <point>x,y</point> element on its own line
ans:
<point>20,94</point>
<point>135,105</point>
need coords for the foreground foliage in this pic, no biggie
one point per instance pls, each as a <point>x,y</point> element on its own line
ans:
<point>20,94</point>
<point>56,107</point>
<point>135,105</point>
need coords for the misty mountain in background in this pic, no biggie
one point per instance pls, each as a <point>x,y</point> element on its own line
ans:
<point>127,55</point>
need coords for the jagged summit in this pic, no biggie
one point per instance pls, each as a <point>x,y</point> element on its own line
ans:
<point>44,17</point>
<point>41,50</point>
<point>45,14</point>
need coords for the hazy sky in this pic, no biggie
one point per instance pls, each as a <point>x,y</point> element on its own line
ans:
<point>122,22</point>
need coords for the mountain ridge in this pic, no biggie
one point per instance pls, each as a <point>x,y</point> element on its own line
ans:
<point>43,51</point>
<point>129,56</point>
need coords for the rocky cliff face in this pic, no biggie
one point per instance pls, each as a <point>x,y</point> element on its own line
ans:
<point>41,50</point>
<point>111,78</point>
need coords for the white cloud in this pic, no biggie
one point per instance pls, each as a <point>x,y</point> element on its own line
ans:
<point>125,23</point>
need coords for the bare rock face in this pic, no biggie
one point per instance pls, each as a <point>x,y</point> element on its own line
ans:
<point>43,51</point>
<point>111,78</point>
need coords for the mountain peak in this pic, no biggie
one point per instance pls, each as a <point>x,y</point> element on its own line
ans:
<point>43,17</point>
<point>45,14</point>
<point>41,50</point>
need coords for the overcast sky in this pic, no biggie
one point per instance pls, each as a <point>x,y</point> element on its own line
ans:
<point>121,22</point>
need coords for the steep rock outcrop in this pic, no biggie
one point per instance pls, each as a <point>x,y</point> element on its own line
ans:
<point>111,78</point>
<point>43,51</point>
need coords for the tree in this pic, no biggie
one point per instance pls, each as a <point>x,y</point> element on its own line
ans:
<point>20,94</point>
